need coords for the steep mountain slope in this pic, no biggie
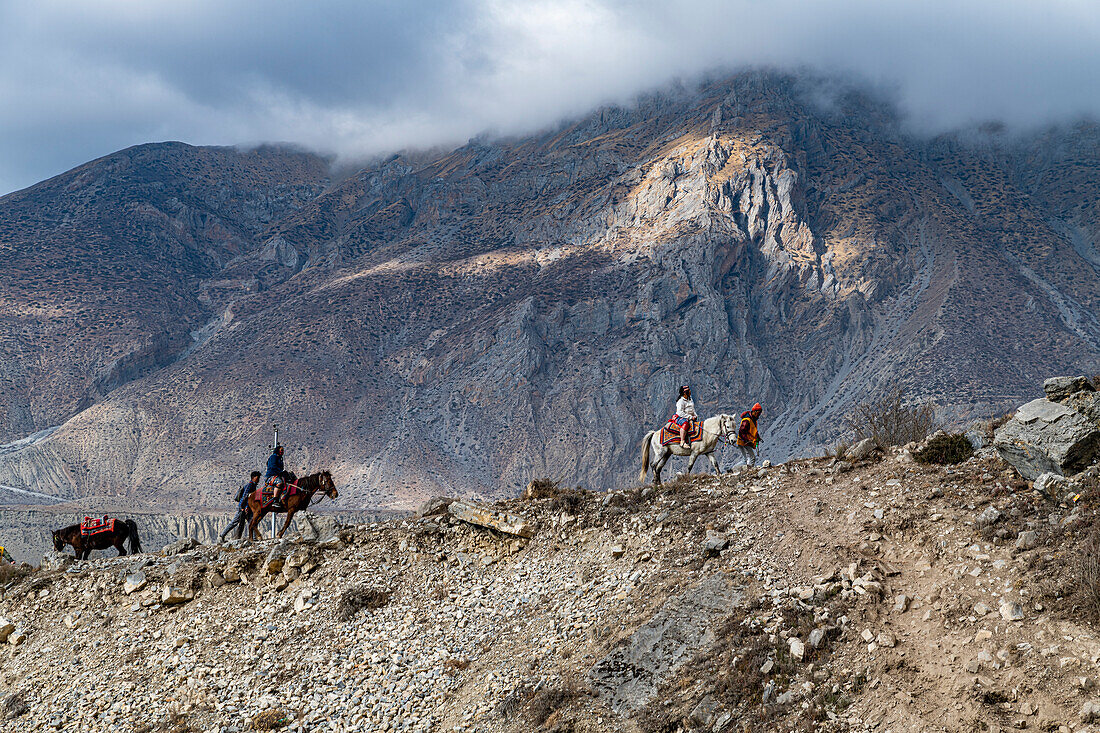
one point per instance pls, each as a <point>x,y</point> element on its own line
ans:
<point>466,320</point>
<point>110,268</point>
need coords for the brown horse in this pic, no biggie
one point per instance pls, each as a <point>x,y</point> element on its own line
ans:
<point>83,545</point>
<point>307,487</point>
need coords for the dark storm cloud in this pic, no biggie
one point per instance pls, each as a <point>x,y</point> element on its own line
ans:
<point>81,79</point>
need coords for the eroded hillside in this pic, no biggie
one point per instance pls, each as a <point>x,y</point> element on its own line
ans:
<point>460,322</point>
<point>815,595</point>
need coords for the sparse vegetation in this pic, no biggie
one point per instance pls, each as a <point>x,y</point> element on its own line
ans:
<point>270,720</point>
<point>891,420</point>
<point>548,701</point>
<point>12,573</point>
<point>354,600</point>
<point>945,448</point>
<point>1087,587</point>
<point>840,450</point>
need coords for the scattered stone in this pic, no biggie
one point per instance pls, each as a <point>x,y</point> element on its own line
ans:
<point>1011,611</point>
<point>1027,539</point>
<point>17,638</point>
<point>797,648</point>
<point>816,638</point>
<point>860,450</point>
<point>183,544</point>
<point>438,505</point>
<point>6,629</point>
<point>1090,712</point>
<point>1051,485</point>
<point>767,667</point>
<point>134,582</point>
<point>171,595</point>
<point>901,603</point>
<point>715,543</point>
<point>989,517</point>
<point>617,551</point>
<point>886,639</point>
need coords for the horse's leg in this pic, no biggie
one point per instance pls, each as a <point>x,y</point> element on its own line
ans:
<point>714,462</point>
<point>691,461</point>
<point>659,464</point>
<point>119,540</point>
<point>289,515</point>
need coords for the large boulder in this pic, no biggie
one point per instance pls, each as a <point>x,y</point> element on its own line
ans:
<point>1059,388</point>
<point>1046,436</point>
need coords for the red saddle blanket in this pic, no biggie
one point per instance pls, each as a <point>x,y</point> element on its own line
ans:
<point>90,526</point>
<point>670,433</point>
<point>266,492</point>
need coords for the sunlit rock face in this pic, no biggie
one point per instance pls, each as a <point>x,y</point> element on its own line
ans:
<point>461,322</point>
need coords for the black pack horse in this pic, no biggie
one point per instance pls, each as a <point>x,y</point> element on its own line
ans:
<point>84,544</point>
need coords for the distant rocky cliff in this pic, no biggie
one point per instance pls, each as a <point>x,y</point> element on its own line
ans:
<point>464,321</point>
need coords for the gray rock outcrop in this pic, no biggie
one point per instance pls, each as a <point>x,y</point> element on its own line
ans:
<point>1049,437</point>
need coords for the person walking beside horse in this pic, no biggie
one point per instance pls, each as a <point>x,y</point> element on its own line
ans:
<point>748,435</point>
<point>243,512</point>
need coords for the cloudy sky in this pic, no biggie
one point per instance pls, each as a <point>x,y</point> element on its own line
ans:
<point>82,78</point>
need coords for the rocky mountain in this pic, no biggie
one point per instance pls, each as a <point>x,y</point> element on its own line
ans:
<point>462,321</point>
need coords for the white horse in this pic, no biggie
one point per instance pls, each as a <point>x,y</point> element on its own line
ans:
<point>714,428</point>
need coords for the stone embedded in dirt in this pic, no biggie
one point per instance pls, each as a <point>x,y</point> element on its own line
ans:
<point>767,667</point>
<point>797,648</point>
<point>981,609</point>
<point>6,629</point>
<point>1090,712</point>
<point>1011,611</point>
<point>617,551</point>
<point>231,575</point>
<point>816,638</point>
<point>715,543</point>
<point>1059,388</point>
<point>1051,485</point>
<point>901,603</point>
<point>886,639</point>
<point>1047,436</point>
<point>134,582</point>
<point>71,620</point>
<point>17,638</point>
<point>1027,539</point>
<point>860,450</point>
<point>170,595</point>
<point>183,544</point>
<point>275,560</point>
<point>868,635</point>
<point>989,517</point>
<point>483,516</point>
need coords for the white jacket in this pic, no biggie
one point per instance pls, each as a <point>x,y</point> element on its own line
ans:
<point>685,408</point>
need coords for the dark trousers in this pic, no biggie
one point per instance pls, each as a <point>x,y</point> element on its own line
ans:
<point>240,522</point>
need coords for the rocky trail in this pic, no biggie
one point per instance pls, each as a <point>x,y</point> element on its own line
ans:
<point>822,594</point>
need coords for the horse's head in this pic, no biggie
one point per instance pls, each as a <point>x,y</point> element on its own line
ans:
<point>58,543</point>
<point>730,423</point>
<point>324,480</point>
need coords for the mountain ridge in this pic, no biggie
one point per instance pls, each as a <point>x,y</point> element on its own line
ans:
<point>462,321</point>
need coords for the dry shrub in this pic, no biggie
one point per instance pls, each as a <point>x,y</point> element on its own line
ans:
<point>541,488</point>
<point>355,599</point>
<point>13,706</point>
<point>13,573</point>
<point>270,720</point>
<point>945,448</point>
<point>1087,587</point>
<point>550,700</point>
<point>1095,379</point>
<point>891,420</point>
<point>840,450</point>
<point>454,666</point>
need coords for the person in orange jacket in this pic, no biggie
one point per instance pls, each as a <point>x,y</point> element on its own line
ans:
<point>748,435</point>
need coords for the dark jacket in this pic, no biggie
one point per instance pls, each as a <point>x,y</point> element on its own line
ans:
<point>274,465</point>
<point>242,494</point>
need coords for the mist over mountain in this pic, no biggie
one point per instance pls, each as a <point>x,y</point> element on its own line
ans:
<point>465,320</point>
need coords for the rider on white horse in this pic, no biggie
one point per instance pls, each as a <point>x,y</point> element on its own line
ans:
<point>685,413</point>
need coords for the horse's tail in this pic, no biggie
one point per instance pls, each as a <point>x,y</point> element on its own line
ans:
<point>645,456</point>
<point>135,541</point>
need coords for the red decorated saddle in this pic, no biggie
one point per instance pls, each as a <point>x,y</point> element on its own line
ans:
<point>91,526</point>
<point>670,433</point>
<point>266,492</point>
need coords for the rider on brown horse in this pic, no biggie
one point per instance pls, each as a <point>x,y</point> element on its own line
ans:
<point>276,470</point>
